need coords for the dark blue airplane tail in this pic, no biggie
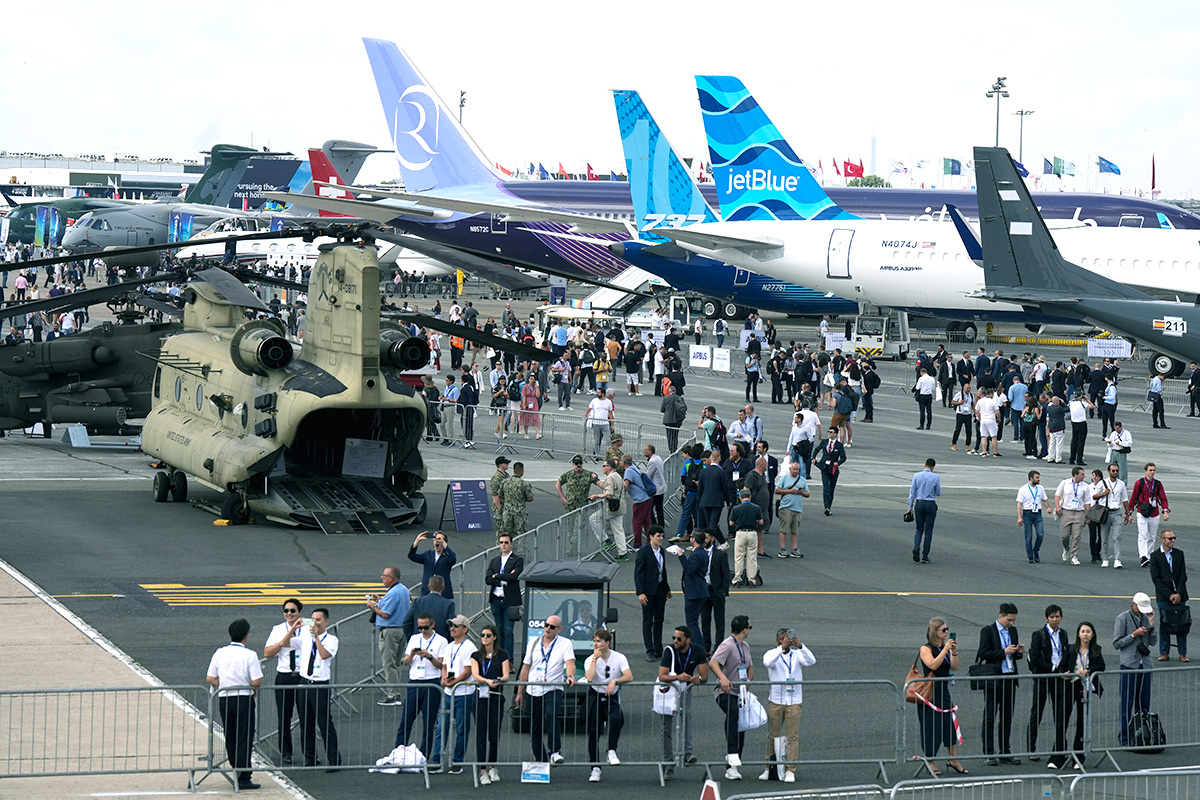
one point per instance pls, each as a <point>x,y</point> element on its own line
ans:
<point>757,173</point>
<point>433,150</point>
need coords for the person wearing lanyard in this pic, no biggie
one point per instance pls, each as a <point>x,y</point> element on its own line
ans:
<point>389,615</point>
<point>733,665</point>
<point>233,670</point>
<point>1031,499</point>
<point>423,656</point>
<point>605,669</point>
<point>490,667</point>
<point>1047,656</point>
<point>504,576</point>
<point>784,669</point>
<point>549,662</point>
<point>284,645</point>
<point>1000,649</point>
<point>317,649</point>
<point>459,693</point>
<point>683,665</point>
<point>1071,500</point>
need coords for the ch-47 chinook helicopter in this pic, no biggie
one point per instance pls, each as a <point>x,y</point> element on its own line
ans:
<point>327,438</point>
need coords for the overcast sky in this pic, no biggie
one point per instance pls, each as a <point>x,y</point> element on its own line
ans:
<point>159,79</point>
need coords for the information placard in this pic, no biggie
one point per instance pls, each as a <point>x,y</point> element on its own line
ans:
<point>1115,347</point>
<point>720,359</point>
<point>699,356</point>
<point>472,505</point>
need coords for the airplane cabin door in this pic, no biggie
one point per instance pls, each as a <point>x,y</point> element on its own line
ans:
<point>839,253</point>
<point>741,277</point>
<point>131,238</point>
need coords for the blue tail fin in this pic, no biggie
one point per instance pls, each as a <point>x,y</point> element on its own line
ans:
<point>433,150</point>
<point>757,173</point>
<point>664,193</point>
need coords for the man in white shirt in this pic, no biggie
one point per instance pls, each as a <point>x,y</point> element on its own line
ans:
<point>987,420</point>
<point>235,665</point>
<point>459,694</point>
<point>598,415</point>
<point>549,662</point>
<point>754,421</point>
<point>740,431</point>
<point>1031,503</point>
<point>423,655</point>
<point>317,649</point>
<point>810,424</point>
<point>283,644</point>
<point>1078,411</point>
<point>785,671</point>
<point>1071,500</point>
<point>605,670</point>
<point>926,386</point>
<point>1120,443</point>
<point>1113,494</point>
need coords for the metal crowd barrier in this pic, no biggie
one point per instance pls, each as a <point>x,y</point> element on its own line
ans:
<point>1008,787</point>
<point>830,793</point>
<point>1168,784</point>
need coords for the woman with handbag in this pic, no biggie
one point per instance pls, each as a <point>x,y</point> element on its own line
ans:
<point>935,715</point>
<point>1096,514</point>
<point>1085,660</point>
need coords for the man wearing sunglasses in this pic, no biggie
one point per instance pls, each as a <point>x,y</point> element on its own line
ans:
<point>605,669</point>
<point>423,655</point>
<point>683,665</point>
<point>284,645</point>
<point>549,663</point>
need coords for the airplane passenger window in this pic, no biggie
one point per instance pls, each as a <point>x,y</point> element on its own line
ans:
<point>1135,264</point>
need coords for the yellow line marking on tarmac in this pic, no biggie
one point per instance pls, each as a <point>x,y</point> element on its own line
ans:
<point>263,594</point>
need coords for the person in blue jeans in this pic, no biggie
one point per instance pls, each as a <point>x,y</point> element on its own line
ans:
<point>691,493</point>
<point>1133,636</point>
<point>458,695</point>
<point>926,488</point>
<point>1031,503</point>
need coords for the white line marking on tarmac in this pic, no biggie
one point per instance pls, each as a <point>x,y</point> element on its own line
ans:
<point>145,674</point>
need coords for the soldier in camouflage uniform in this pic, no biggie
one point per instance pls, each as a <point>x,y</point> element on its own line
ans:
<point>516,494</point>
<point>494,485</point>
<point>615,453</point>
<point>573,489</point>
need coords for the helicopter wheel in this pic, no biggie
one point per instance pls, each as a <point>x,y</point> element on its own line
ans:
<point>162,487</point>
<point>424,512</point>
<point>179,488</point>
<point>234,509</point>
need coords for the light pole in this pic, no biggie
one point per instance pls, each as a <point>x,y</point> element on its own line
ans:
<point>462,101</point>
<point>1023,113</point>
<point>998,92</point>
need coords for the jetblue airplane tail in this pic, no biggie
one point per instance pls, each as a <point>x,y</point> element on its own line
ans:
<point>1018,251</point>
<point>758,175</point>
<point>433,150</point>
<point>664,193</point>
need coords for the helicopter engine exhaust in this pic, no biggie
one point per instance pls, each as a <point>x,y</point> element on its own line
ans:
<point>257,349</point>
<point>404,351</point>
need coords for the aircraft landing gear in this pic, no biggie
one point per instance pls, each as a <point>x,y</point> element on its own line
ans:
<point>235,508</point>
<point>170,483</point>
<point>179,487</point>
<point>162,487</point>
<point>1161,363</point>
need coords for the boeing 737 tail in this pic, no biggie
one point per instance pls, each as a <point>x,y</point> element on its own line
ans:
<point>433,150</point>
<point>757,174</point>
<point>664,192</point>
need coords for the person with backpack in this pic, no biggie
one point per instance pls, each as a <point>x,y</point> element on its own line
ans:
<point>689,478</point>
<point>716,437</point>
<point>1133,636</point>
<point>641,491</point>
<point>674,411</point>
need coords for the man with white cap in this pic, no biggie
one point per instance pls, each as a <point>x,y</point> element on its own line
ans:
<point>1133,636</point>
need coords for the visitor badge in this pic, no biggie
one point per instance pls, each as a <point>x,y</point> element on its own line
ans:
<point>538,674</point>
<point>418,671</point>
<point>790,685</point>
<point>484,689</point>
<point>741,673</point>
<point>736,474</point>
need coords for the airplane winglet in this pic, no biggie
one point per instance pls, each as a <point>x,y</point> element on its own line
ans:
<point>970,239</point>
<point>1018,250</point>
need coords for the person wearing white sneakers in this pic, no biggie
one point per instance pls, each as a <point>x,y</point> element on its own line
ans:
<point>1112,494</point>
<point>605,670</point>
<point>733,666</point>
<point>1071,500</point>
<point>549,664</point>
<point>785,666</point>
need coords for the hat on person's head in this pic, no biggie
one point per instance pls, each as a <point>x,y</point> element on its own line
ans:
<point>1142,601</point>
<point>460,621</point>
<point>502,460</point>
<point>578,459</point>
<point>618,437</point>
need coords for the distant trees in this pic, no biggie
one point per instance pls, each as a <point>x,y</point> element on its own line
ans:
<point>870,182</point>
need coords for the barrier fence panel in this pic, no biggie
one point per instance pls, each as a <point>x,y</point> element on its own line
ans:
<point>1014,787</point>
<point>1182,784</point>
<point>105,731</point>
<point>831,793</point>
<point>1173,695</point>
<point>970,708</point>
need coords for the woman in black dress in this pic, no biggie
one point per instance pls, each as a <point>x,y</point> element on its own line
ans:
<point>1086,661</point>
<point>490,667</point>
<point>935,719</point>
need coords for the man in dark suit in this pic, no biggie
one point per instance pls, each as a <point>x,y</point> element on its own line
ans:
<point>433,605</point>
<point>1193,389</point>
<point>695,584</point>
<point>720,579</point>
<point>828,458</point>
<point>999,649</point>
<point>437,561</point>
<point>714,494</point>
<point>762,448</point>
<point>1048,651</point>
<point>983,369</point>
<point>1169,573</point>
<point>964,369</point>
<point>504,578</point>
<point>653,589</point>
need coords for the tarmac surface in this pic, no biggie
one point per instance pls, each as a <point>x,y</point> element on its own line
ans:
<point>161,582</point>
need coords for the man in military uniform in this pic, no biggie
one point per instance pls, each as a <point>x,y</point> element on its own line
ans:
<point>574,487</point>
<point>495,484</point>
<point>516,494</point>
<point>614,452</point>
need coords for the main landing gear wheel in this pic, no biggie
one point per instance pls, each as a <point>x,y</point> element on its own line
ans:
<point>1163,364</point>
<point>162,487</point>
<point>733,311</point>
<point>234,509</point>
<point>179,486</point>
<point>709,307</point>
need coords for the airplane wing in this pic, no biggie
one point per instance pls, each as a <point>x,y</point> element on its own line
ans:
<point>698,236</point>
<point>515,213</point>
<point>376,212</point>
<point>499,274</point>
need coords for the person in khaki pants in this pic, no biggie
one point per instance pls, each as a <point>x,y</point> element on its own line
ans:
<point>746,520</point>
<point>785,666</point>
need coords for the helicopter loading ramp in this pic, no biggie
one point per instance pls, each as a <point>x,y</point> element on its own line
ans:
<point>343,505</point>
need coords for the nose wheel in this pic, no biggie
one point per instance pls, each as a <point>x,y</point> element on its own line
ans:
<point>235,509</point>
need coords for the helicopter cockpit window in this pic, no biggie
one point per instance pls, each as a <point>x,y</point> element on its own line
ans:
<point>157,381</point>
<point>178,388</point>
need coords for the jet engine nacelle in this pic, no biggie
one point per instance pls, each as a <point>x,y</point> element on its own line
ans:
<point>259,346</point>
<point>403,351</point>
